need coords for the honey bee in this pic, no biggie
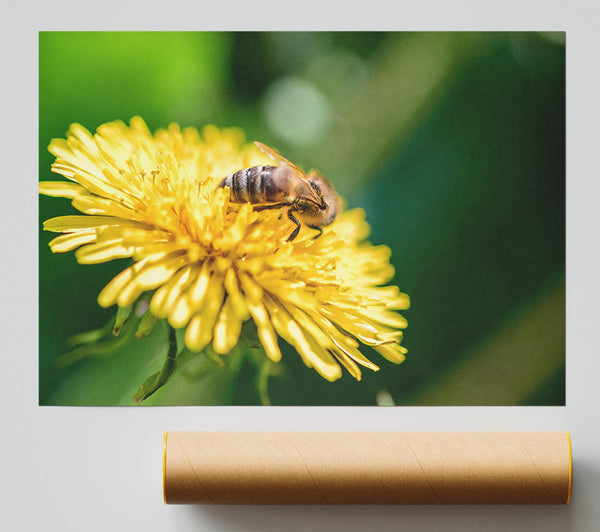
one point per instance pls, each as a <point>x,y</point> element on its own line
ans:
<point>311,198</point>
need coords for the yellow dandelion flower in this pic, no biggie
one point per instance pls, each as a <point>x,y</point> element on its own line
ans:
<point>209,264</point>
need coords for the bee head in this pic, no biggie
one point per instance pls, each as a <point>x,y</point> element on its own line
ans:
<point>315,186</point>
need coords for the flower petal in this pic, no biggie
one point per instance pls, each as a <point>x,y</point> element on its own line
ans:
<point>393,352</point>
<point>109,294</point>
<point>63,189</point>
<point>234,294</point>
<point>97,205</point>
<point>72,223</point>
<point>199,332</point>
<point>71,241</point>
<point>102,252</point>
<point>266,334</point>
<point>228,328</point>
<point>312,354</point>
<point>166,296</point>
<point>180,309</point>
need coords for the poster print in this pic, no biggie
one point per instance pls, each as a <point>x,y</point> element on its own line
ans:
<point>190,255</point>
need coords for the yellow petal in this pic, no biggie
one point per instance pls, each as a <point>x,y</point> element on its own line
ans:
<point>166,296</point>
<point>295,293</point>
<point>128,182</point>
<point>234,294</point>
<point>348,363</point>
<point>331,329</point>
<point>194,339</point>
<point>96,205</point>
<point>139,235</point>
<point>199,332</point>
<point>265,331</point>
<point>70,241</point>
<point>102,252</point>
<point>129,294</point>
<point>109,294</point>
<point>83,135</point>
<point>59,148</point>
<point>393,352</point>
<point>308,324</point>
<point>357,326</point>
<point>313,355</point>
<point>98,186</point>
<point>69,224</point>
<point>279,319</point>
<point>319,358</point>
<point>237,230</point>
<point>228,328</point>
<point>180,313</point>
<point>199,288</point>
<point>264,328</point>
<point>63,189</point>
<point>354,354</point>
<point>382,298</point>
<point>149,275</point>
<point>180,310</point>
<point>155,251</point>
<point>384,317</point>
<point>342,342</point>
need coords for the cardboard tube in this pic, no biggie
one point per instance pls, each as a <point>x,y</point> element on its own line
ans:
<point>367,467</point>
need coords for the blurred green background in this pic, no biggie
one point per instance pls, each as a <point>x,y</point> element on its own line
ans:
<point>453,143</point>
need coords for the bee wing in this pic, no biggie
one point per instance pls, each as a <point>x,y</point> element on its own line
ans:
<point>308,192</point>
<point>274,156</point>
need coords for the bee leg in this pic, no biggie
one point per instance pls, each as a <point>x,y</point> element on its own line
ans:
<point>316,228</point>
<point>295,231</point>
<point>270,206</point>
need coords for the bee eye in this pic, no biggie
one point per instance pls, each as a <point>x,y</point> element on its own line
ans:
<point>315,186</point>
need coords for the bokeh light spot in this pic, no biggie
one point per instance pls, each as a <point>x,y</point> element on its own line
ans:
<point>296,110</point>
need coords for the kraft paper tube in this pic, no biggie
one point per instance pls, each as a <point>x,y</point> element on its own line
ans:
<point>367,467</point>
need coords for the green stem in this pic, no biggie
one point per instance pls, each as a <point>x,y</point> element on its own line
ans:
<point>263,381</point>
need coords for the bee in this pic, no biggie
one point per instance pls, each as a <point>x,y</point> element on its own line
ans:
<point>310,198</point>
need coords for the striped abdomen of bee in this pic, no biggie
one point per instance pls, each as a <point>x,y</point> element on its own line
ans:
<point>260,184</point>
